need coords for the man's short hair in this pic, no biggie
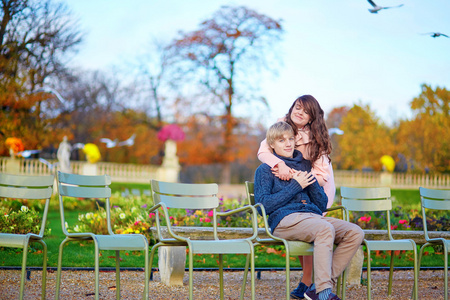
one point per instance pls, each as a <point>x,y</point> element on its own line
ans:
<point>277,131</point>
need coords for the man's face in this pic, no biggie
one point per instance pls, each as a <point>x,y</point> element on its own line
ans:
<point>284,145</point>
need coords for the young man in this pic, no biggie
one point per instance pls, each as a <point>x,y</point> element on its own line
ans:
<point>295,209</point>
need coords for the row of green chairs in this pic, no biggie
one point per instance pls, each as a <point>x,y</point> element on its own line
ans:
<point>191,196</point>
<point>376,199</point>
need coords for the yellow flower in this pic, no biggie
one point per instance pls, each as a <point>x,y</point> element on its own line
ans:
<point>136,231</point>
<point>92,153</point>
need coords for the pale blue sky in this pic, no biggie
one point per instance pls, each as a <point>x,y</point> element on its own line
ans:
<point>334,50</point>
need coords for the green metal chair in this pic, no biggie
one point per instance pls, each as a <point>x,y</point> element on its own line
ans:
<point>30,188</point>
<point>435,200</point>
<point>94,188</point>
<point>196,197</point>
<point>378,199</point>
<point>292,248</point>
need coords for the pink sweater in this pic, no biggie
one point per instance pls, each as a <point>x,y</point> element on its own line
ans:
<point>321,168</point>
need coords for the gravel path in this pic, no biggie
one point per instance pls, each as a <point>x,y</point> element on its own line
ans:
<point>80,285</point>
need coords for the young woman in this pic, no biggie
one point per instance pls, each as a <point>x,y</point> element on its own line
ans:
<point>313,141</point>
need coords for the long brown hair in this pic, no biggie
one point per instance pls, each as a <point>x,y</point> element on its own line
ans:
<point>320,143</point>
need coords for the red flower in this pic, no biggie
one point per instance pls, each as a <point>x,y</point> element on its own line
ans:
<point>171,132</point>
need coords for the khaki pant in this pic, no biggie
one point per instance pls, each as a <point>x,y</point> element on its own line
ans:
<point>325,232</point>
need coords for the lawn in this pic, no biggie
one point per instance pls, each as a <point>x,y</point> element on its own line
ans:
<point>78,254</point>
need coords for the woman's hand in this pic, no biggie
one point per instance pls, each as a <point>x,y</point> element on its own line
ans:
<point>304,178</point>
<point>282,171</point>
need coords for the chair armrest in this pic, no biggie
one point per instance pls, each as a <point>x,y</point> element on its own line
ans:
<point>250,208</point>
<point>169,225</point>
<point>266,225</point>
<point>341,207</point>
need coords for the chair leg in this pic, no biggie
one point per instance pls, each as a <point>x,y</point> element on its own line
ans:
<point>288,273</point>
<point>191,273</point>
<point>445,272</point>
<point>97,276</point>
<point>24,270</point>
<point>221,275</point>
<point>58,272</point>
<point>416,275</point>
<point>252,275</point>
<point>344,282</point>
<point>369,283</point>
<point>391,273</point>
<point>117,274</point>
<point>152,254</point>
<point>44,268</point>
<point>147,274</point>
<point>244,280</point>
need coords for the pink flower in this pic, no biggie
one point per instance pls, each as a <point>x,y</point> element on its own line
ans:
<point>365,219</point>
<point>151,215</point>
<point>207,220</point>
<point>394,227</point>
<point>171,217</point>
<point>201,220</point>
<point>210,213</point>
<point>137,222</point>
<point>171,132</point>
<point>402,222</point>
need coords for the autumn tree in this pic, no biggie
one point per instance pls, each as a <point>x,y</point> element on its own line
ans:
<point>222,59</point>
<point>425,139</point>
<point>35,38</point>
<point>200,149</point>
<point>334,120</point>
<point>155,80</point>
<point>364,141</point>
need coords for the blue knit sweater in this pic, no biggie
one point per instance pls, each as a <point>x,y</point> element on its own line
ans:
<point>281,198</point>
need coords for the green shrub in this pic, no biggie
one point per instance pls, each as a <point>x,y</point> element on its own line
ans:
<point>20,221</point>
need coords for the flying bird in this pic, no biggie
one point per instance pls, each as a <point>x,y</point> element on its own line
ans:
<point>78,146</point>
<point>47,163</point>
<point>129,141</point>
<point>28,153</point>
<point>377,8</point>
<point>335,130</point>
<point>109,143</point>
<point>436,34</point>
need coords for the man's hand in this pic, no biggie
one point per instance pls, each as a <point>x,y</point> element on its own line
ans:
<point>304,178</point>
<point>282,171</point>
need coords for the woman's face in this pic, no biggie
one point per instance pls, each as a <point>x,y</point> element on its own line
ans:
<point>299,115</point>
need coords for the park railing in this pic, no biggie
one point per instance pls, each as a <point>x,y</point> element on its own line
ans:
<point>118,172</point>
<point>143,173</point>
<point>393,180</point>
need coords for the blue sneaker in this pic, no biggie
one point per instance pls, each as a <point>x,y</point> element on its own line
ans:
<point>299,292</point>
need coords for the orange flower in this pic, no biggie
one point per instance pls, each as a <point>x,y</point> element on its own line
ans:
<point>15,144</point>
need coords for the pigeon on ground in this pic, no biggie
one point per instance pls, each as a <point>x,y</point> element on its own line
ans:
<point>377,8</point>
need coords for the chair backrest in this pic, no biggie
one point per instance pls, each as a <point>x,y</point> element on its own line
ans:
<point>185,195</point>
<point>368,199</point>
<point>30,188</point>
<point>250,189</point>
<point>85,187</point>
<point>435,200</point>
